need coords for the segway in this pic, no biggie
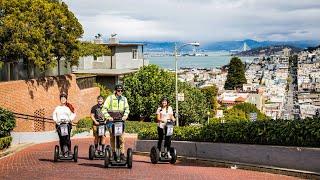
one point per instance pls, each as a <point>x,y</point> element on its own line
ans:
<point>156,156</point>
<point>65,154</point>
<point>115,160</point>
<point>98,153</point>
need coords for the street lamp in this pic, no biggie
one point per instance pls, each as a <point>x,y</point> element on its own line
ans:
<point>176,50</point>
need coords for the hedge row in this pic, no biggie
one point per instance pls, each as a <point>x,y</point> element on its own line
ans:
<point>7,122</point>
<point>274,132</point>
<point>85,123</point>
<point>5,142</point>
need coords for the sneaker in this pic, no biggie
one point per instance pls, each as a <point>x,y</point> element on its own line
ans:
<point>122,157</point>
<point>168,155</point>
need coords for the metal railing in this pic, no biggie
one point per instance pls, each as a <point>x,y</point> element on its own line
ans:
<point>33,118</point>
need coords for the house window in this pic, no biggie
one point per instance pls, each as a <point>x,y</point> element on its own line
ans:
<point>98,59</point>
<point>134,54</point>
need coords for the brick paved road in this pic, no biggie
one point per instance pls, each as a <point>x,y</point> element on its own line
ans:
<point>36,162</point>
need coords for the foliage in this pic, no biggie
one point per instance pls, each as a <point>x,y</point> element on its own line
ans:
<point>194,108</point>
<point>85,123</point>
<point>241,112</point>
<point>7,122</point>
<point>211,93</point>
<point>5,142</point>
<point>236,74</point>
<point>234,114</point>
<point>104,91</point>
<point>274,132</point>
<point>145,89</point>
<point>96,50</point>
<point>39,31</point>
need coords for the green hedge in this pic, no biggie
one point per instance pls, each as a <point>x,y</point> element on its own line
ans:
<point>7,122</point>
<point>85,123</point>
<point>5,142</point>
<point>274,132</point>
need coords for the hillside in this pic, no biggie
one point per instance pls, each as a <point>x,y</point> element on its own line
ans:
<point>270,50</point>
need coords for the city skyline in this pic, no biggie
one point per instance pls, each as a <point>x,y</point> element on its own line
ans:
<point>205,21</point>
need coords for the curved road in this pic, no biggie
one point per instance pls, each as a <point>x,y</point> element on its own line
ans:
<point>36,162</point>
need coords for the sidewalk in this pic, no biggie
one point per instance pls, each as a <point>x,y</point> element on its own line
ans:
<point>13,149</point>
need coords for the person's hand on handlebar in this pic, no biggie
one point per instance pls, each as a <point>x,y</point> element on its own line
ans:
<point>110,119</point>
<point>124,118</point>
<point>96,123</point>
<point>164,120</point>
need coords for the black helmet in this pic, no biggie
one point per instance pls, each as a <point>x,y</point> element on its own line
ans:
<point>118,86</point>
<point>63,94</point>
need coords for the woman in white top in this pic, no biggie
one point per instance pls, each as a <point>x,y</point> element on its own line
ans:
<point>164,113</point>
<point>64,114</point>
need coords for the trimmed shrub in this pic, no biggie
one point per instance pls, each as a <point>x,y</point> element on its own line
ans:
<point>274,132</point>
<point>7,122</point>
<point>85,123</point>
<point>5,142</point>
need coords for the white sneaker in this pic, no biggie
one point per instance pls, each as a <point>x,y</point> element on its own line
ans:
<point>168,155</point>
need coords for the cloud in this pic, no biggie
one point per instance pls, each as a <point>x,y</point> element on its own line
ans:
<point>199,20</point>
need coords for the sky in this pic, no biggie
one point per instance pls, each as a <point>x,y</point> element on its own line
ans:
<point>199,20</point>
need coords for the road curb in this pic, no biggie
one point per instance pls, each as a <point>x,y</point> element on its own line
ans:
<point>14,149</point>
<point>245,166</point>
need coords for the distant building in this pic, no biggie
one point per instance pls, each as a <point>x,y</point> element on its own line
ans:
<point>125,58</point>
<point>287,52</point>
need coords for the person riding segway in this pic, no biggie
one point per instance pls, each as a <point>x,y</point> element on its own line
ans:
<point>165,121</point>
<point>99,128</point>
<point>116,111</point>
<point>63,116</point>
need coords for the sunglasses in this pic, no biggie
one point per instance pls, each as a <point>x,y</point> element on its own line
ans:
<point>120,90</point>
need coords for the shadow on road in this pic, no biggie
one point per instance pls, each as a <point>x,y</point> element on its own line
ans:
<point>141,161</point>
<point>92,165</point>
<point>46,160</point>
<point>84,158</point>
<point>59,161</point>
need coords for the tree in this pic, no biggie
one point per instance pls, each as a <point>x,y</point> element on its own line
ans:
<point>42,32</point>
<point>91,49</point>
<point>236,74</point>
<point>145,89</point>
<point>241,112</point>
<point>211,93</point>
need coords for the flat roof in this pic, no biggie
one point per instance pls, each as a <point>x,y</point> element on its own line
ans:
<point>105,72</point>
<point>123,44</point>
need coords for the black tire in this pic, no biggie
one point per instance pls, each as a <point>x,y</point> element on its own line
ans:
<point>56,153</point>
<point>75,153</point>
<point>107,158</point>
<point>154,155</point>
<point>173,153</point>
<point>129,158</point>
<point>91,152</point>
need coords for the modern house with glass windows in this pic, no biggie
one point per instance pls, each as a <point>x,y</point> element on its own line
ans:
<point>125,58</point>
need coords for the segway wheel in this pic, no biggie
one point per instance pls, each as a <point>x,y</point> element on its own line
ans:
<point>129,158</point>
<point>154,155</point>
<point>173,153</point>
<point>91,152</point>
<point>56,153</point>
<point>107,158</point>
<point>75,153</point>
